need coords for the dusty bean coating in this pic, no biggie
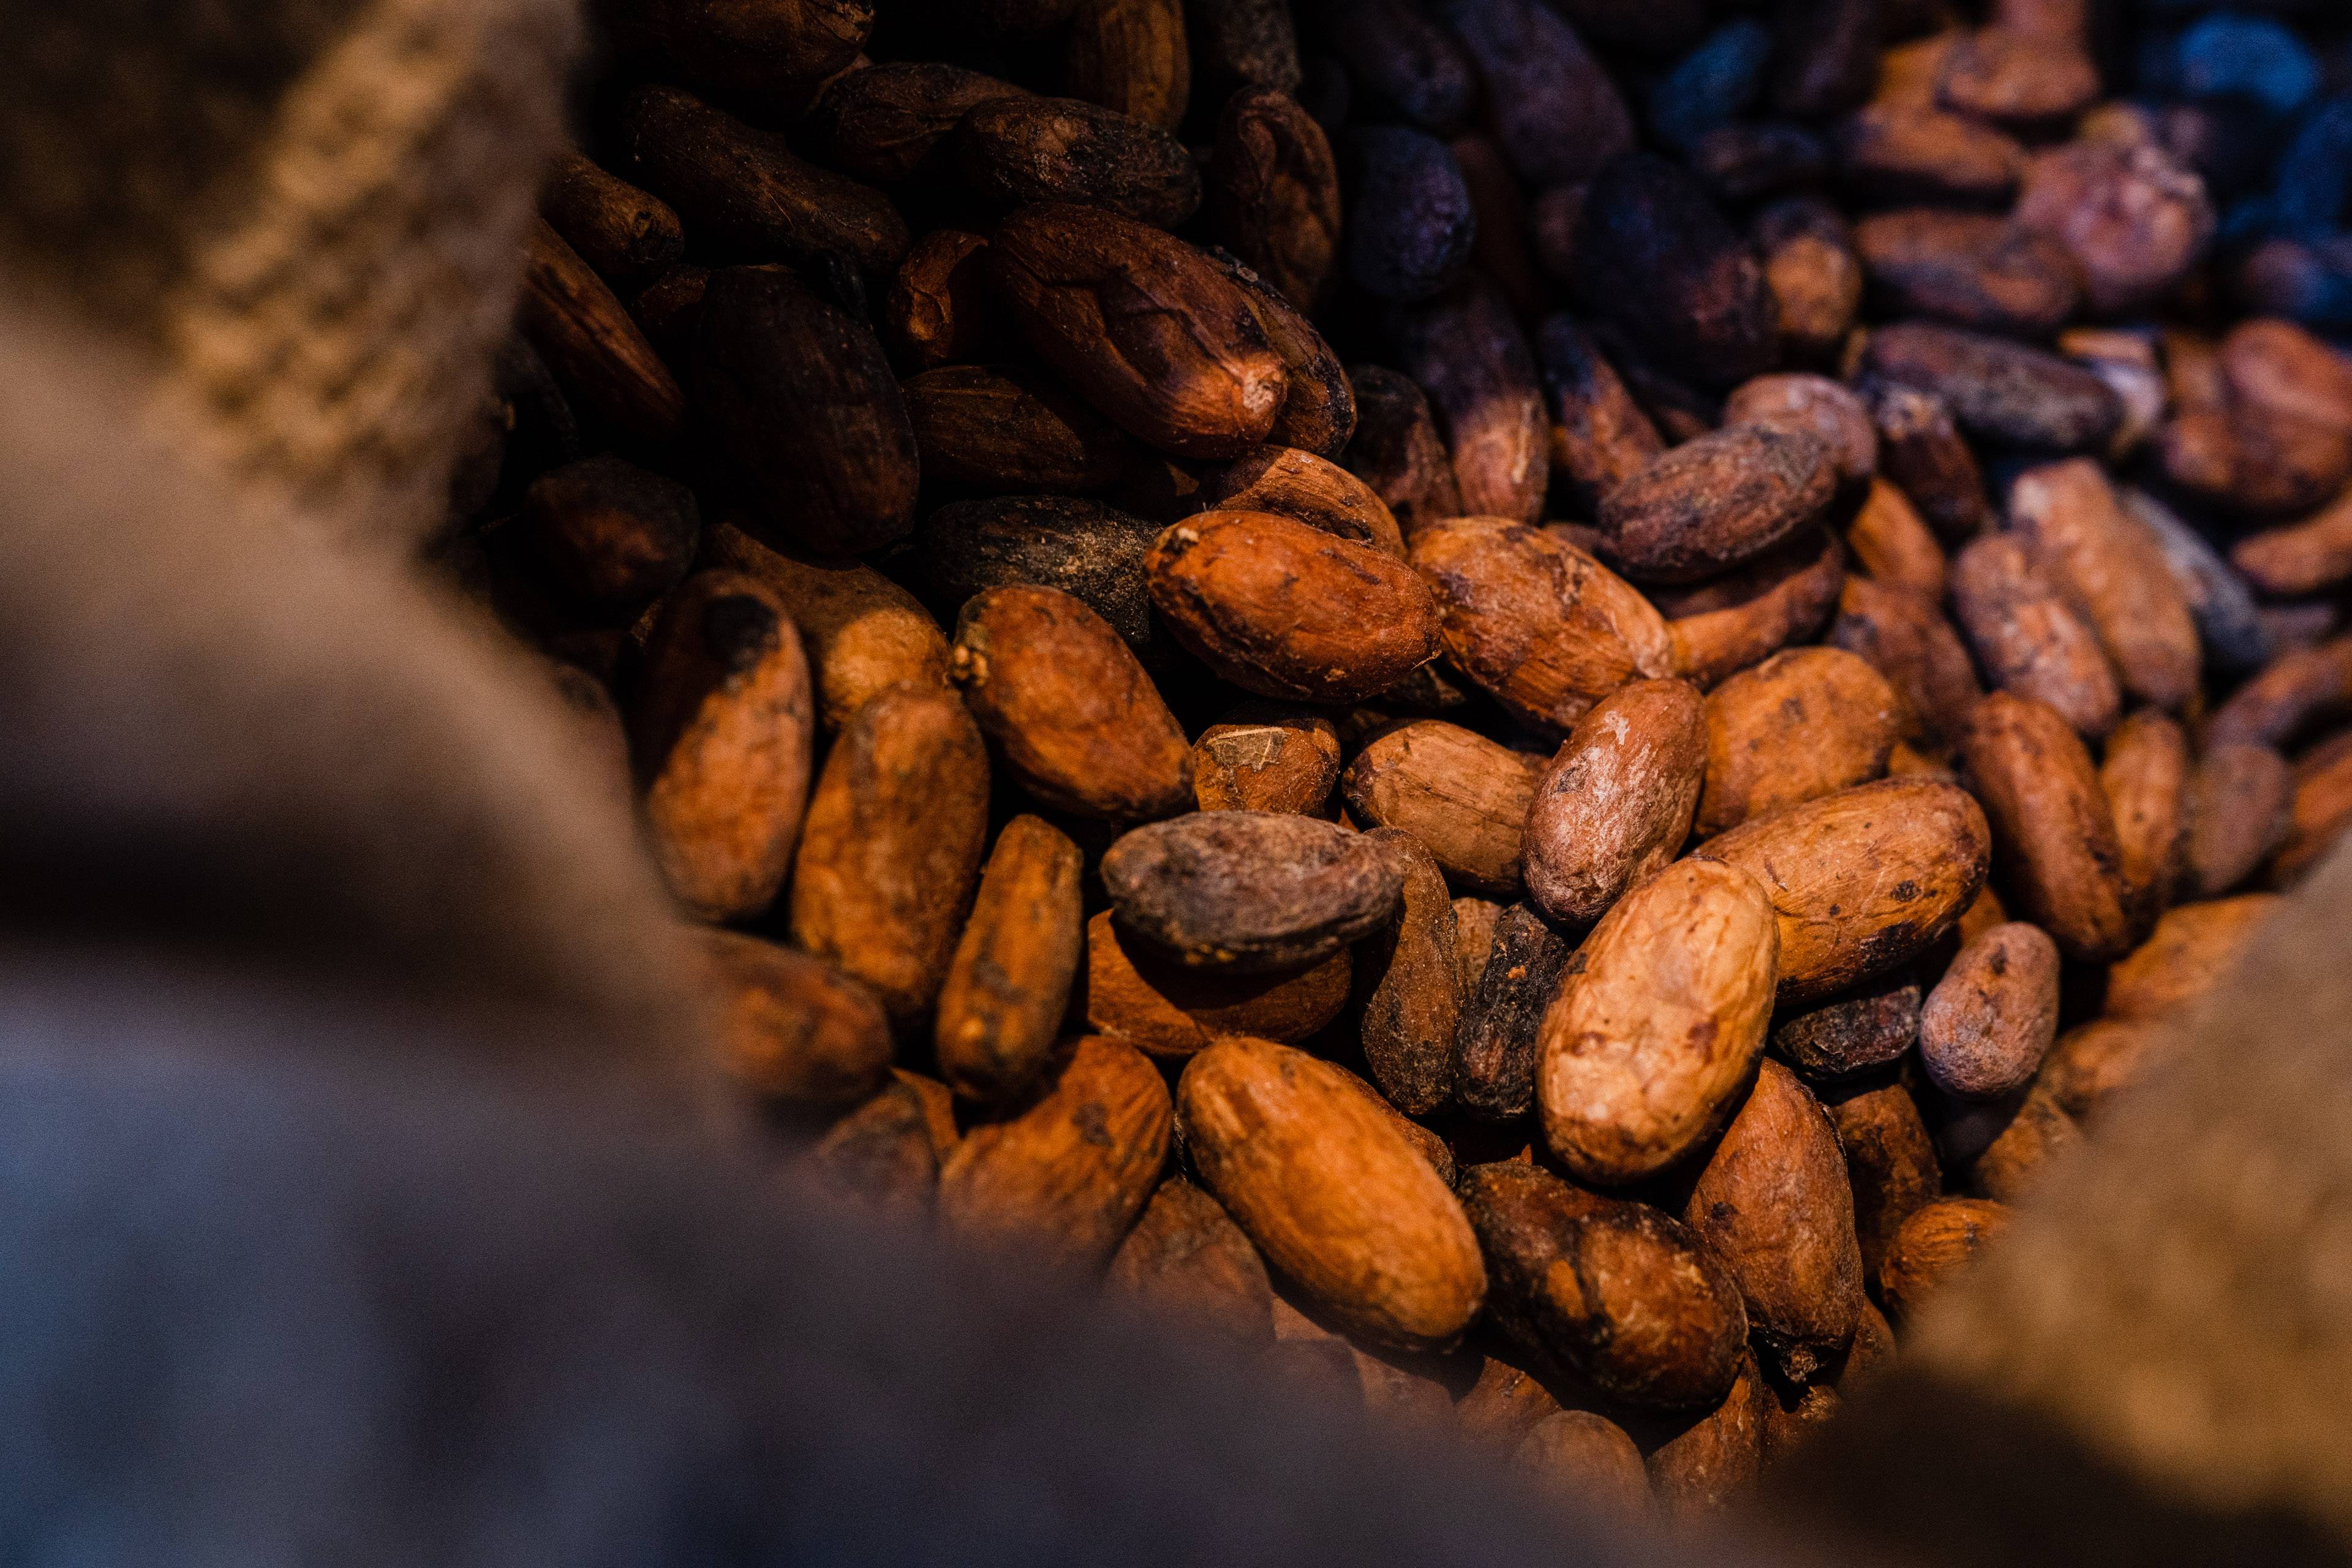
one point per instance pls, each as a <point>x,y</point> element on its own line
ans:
<point>1249,892</point>
<point>1985,1026</point>
<point>1615,802</point>
<point>1652,1038</point>
<point>1617,1292</point>
<point>1800,725</point>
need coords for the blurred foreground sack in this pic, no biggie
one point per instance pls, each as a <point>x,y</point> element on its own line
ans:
<point>236,746</point>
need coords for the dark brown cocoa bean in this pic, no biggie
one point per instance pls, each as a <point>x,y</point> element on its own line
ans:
<point>1401,56</point>
<point>1614,805</point>
<point>1286,610</point>
<point>1542,627</point>
<point>1468,353</point>
<point>1617,1294</point>
<point>1142,325</point>
<point>1774,1205</point>
<point>1553,108</point>
<point>1008,985</point>
<point>1274,193</point>
<point>1239,44</point>
<point>1999,390</point>
<point>1250,892</point>
<point>1920,449</point>
<point>1396,449</point>
<point>1654,256</point>
<point>743,192</point>
<point>1091,551</point>
<point>1012,151</point>
<point>629,237</point>
<point>1075,719</point>
<point>1319,408</point>
<point>1498,1045</point>
<point>591,348</point>
<point>800,397</point>
<point>939,311</point>
<point>1714,502</point>
<point>1131,56</point>
<point>1974,270</point>
<point>886,121</point>
<point>1852,1034</point>
<point>1812,272</point>
<point>2029,640</point>
<point>722,736</point>
<point>612,535</point>
<point>1890,1161</point>
<point>1010,430</point>
<point>1599,437</point>
<point>1261,757</point>
<point>1407,974</point>
<point>1410,223</point>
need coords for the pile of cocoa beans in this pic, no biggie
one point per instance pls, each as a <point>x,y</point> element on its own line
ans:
<point>1520,700</point>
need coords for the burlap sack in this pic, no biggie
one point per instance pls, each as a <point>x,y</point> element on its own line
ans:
<point>258,255</point>
<point>277,238</point>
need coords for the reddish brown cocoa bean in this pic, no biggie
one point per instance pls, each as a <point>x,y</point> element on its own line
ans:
<point>1773,1203</point>
<point>1008,985</point>
<point>1616,803</point>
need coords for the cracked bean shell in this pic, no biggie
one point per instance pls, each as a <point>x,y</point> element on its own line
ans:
<point>1143,325</point>
<point>1284,609</point>
<point>1620,1294</point>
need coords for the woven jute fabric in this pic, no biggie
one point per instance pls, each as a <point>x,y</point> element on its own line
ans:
<point>305,213</point>
<point>257,256</point>
<point>2178,1297</point>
